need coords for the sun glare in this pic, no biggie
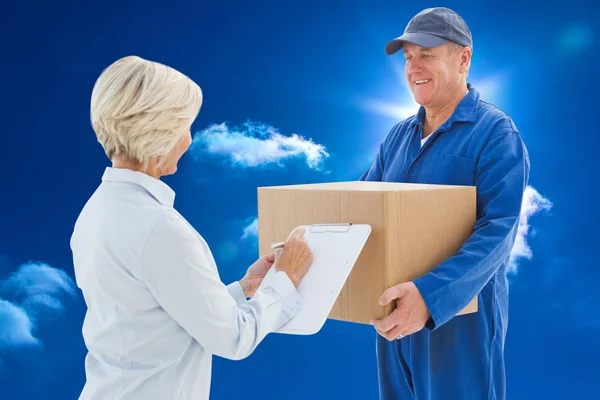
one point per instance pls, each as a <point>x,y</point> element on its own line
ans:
<point>391,110</point>
<point>403,105</point>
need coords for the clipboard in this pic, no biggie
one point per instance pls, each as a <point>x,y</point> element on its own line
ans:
<point>335,248</point>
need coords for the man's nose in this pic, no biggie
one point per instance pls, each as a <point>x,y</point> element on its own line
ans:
<point>413,66</point>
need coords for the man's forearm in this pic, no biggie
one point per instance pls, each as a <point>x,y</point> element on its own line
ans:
<point>501,179</point>
<point>453,284</point>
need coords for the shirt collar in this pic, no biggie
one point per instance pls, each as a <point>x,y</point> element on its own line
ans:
<point>466,110</point>
<point>157,188</point>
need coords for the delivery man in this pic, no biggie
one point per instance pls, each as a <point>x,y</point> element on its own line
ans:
<point>456,138</point>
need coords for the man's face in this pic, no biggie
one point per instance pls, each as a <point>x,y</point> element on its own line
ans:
<point>433,74</point>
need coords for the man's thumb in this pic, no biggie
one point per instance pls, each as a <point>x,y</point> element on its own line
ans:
<point>391,294</point>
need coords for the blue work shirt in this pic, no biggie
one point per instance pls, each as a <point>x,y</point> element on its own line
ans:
<point>458,357</point>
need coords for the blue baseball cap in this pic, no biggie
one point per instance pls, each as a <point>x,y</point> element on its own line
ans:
<point>433,27</point>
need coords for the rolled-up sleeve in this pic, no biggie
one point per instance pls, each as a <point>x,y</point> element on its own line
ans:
<point>179,271</point>
<point>501,177</point>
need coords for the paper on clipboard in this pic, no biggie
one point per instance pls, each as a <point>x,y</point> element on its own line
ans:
<point>335,248</point>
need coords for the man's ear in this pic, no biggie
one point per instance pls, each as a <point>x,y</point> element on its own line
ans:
<point>465,59</point>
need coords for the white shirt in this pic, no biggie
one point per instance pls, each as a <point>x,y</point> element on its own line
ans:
<point>157,309</point>
<point>423,140</point>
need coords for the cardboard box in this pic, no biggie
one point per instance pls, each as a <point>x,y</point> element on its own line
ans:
<point>414,228</point>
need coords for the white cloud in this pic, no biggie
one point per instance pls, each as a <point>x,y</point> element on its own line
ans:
<point>34,289</point>
<point>238,243</point>
<point>39,285</point>
<point>255,144</point>
<point>251,229</point>
<point>16,327</point>
<point>533,203</point>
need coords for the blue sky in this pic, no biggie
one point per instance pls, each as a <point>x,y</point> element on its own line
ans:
<point>293,93</point>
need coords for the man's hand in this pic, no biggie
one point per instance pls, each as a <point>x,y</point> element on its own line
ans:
<point>256,273</point>
<point>410,315</point>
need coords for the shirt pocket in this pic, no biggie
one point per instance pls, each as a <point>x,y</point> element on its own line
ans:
<point>451,169</point>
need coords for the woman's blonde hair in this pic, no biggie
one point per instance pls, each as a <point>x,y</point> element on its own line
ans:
<point>141,109</point>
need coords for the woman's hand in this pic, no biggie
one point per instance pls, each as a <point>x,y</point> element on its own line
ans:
<point>296,257</point>
<point>255,274</point>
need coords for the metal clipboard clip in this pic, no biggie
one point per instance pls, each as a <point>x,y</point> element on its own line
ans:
<point>341,227</point>
<point>337,227</point>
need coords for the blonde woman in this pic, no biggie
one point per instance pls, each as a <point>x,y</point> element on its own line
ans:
<point>157,309</point>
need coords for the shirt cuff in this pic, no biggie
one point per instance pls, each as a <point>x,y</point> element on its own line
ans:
<point>282,286</point>
<point>236,291</point>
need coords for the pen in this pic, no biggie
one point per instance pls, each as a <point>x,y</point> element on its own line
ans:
<point>277,245</point>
